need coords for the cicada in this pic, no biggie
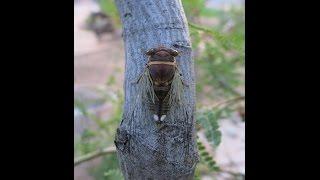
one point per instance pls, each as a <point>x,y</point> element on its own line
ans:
<point>161,82</point>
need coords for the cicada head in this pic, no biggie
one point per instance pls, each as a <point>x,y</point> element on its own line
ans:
<point>162,54</point>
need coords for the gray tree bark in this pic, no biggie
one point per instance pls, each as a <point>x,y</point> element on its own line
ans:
<point>146,149</point>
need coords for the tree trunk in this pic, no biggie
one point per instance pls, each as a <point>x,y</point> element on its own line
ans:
<point>145,148</point>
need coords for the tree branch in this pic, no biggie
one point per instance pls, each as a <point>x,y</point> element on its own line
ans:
<point>93,155</point>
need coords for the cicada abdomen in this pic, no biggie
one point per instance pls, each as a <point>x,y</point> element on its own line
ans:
<point>161,82</point>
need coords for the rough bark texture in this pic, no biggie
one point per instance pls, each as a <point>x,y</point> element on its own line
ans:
<point>146,149</point>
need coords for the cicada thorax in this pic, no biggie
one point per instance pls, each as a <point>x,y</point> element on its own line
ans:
<point>162,67</point>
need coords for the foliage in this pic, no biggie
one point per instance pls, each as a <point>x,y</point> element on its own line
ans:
<point>219,55</point>
<point>108,169</point>
<point>103,134</point>
<point>193,8</point>
<point>207,158</point>
<point>114,174</point>
<point>219,64</point>
<point>209,120</point>
<point>85,144</point>
<point>197,8</point>
<point>109,8</point>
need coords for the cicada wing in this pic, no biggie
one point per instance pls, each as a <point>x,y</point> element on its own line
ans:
<point>176,91</point>
<point>144,94</point>
<point>146,87</point>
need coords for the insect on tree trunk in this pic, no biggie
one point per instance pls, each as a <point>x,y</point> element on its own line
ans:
<point>148,149</point>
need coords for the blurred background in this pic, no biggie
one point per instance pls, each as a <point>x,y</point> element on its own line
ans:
<point>217,31</point>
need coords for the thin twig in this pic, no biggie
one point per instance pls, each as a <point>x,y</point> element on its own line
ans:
<point>235,174</point>
<point>92,155</point>
<point>214,33</point>
<point>227,86</point>
<point>229,101</point>
<point>200,28</point>
<point>90,53</point>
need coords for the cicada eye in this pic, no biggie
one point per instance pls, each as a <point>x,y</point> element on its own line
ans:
<point>174,52</point>
<point>150,52</point>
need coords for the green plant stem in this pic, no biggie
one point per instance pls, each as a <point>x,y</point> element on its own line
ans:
<point>229,101</point>
<point>227,87</point>
<point>216,34</point>
<point>201,28</point>
<point>92,155</point>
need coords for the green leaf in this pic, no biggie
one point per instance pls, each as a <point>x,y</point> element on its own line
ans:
<point>114,174</point>
<point>208,159</point>
<point>205,153</point>
<point>217,138</point>
<point>212,163</point>
<point>111,80</point>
